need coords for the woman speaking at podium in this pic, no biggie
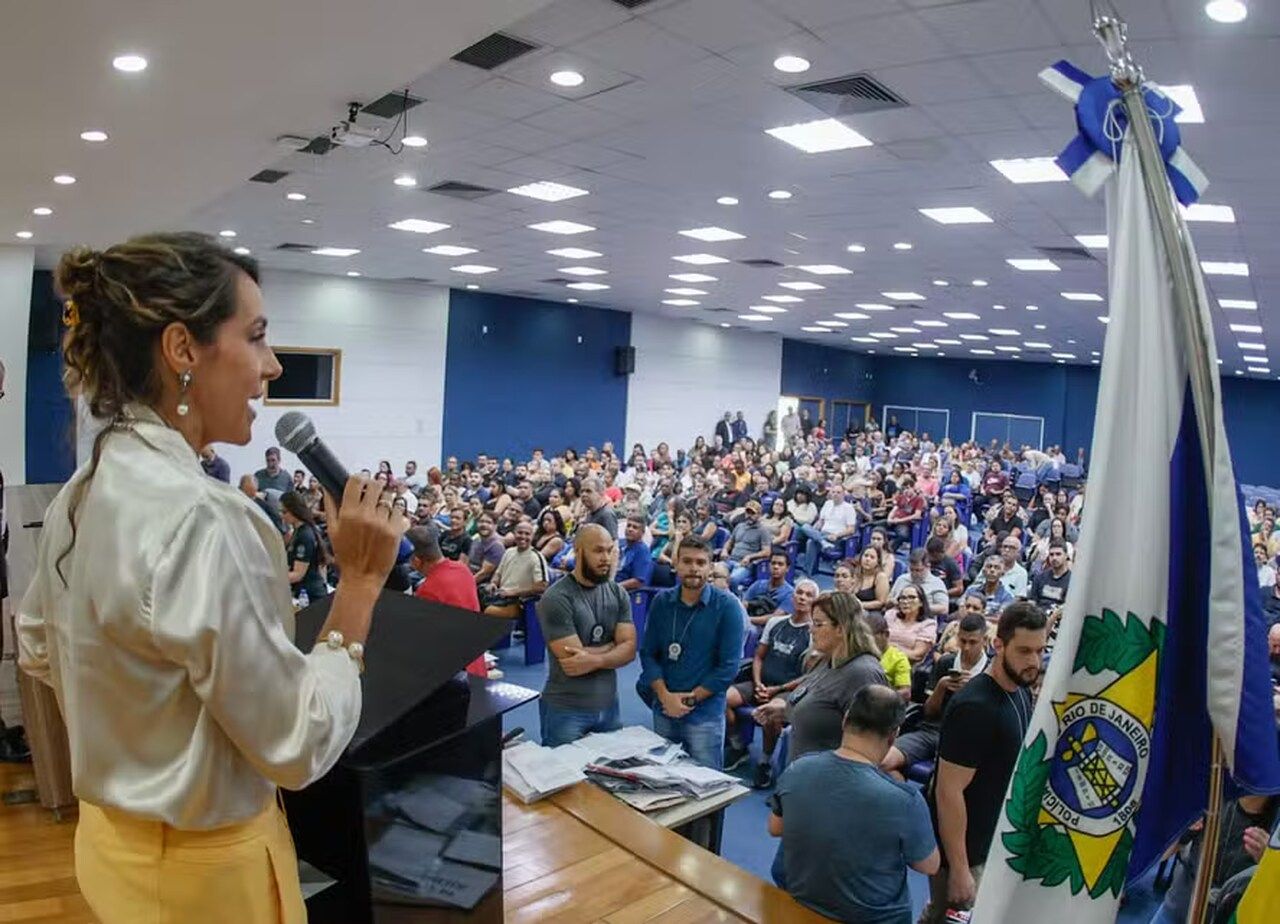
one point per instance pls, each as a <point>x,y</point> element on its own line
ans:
<point>160,610</point>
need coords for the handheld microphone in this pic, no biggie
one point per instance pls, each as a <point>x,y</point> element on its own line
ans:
<point>297,433</point>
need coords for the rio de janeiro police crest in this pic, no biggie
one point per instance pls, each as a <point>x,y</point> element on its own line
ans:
<point>1073,798</point>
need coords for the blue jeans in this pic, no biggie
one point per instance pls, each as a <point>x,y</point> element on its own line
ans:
<point>561,726</point>
<point>813,543</point>
<point>702,740</point>
<point>740,574</point>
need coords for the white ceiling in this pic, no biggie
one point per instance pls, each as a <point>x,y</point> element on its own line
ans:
<point>672,115</point>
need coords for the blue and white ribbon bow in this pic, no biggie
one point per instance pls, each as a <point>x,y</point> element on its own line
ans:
<point>1101,118</point>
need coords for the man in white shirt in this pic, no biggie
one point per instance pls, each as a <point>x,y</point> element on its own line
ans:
<point>1015,576</point>
<point>403,493</point>
<point>918,573</point>
<point>837,521</point>
<point>790,426</point>
<point>411,477</point>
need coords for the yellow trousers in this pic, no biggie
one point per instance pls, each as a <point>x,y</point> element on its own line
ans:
<point>134,870</point>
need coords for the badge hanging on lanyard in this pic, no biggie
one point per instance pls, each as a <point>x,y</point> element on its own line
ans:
<point>673,651</point>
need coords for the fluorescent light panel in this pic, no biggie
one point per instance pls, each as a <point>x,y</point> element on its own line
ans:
<point>1246,328</point>
<point>802,286</point>
<point>767,309</point>
<point>548,191</point>
<point>473,269</point>
<point>853,315</point>
<point>1082,296</point>
<point>1185,96</point>
<point>713,234</point>
<point>1030,170</point>
<point>1094,241</point>
<point>817,330</point>
<point>1243,304</point>
<point>692,277</point>
<point>700,259</point>
<point>680,302</point>
<point>1033,265</point>
<point>336,251</point>
<point>418,225</point>
<point>581,271</point>
<point>574,253</point>
<point>961,316</point>
<point>560,226</point>
<point>903,296</point>
<point>587,286</point>
<point>1199,211</point>
<point>1224,268</point>
<point>820,136</point>
<point>961,215</point>
<point>825,269</point>
<point>783,299</point>
<point>684,291</point>
<point>873,306</point>
<point>449,250</point>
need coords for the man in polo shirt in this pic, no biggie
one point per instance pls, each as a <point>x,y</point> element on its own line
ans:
<point>445,581</point>
<point>635,559</point>
<point>748,543</point>
<point>586,619</point>
<point>486,550</point>
<point>1015,576</point>
<point>690,653</point>
<point>273,477</point>
<point>837,521</point>
<point>521,573</point>
<point>918,573</point>
<point>908,510</point>
<point>599,510</point>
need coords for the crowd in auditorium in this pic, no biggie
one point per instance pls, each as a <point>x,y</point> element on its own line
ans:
<point>878,601</point>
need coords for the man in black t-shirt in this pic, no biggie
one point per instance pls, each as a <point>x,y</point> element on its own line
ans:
<point>1008,518</point>
<point>1049,586</point>
<point>454,542</point>
<point>982,731</point>
<point>944,567</point>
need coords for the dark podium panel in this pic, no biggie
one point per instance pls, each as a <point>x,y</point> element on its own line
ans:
<point>409,821</point>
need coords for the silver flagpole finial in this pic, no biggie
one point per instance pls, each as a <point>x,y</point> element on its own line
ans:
<point>1113,32</point>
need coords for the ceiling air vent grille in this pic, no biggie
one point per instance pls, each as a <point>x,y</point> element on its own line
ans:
<point>1066,253</point>
<point>761,262</point>
<point>494,51</point>
<point>556,281</point>
<point>460,190</point>
<point>268,176</point>
<point>320,144</point>
<point>719,310</point>
<point>296,248</point>
<point>849,95</point>
<point>392,105</point>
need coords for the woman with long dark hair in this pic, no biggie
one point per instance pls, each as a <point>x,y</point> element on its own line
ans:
<point>307,553</point>
<point>186,702</point>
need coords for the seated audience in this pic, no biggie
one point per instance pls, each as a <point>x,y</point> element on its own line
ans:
<point>937,600</point>
<point>635,561</point>
<point>908,510</point>
<point>521,573</point>
<point>550,536</point>
<point>249,488</point>
<point>837,798</point>
<point>1007,518</point>
<point>445,581</point>
<point>912,628</point>
<point>837,521</point>
<point>991,586</point>
<point>897,667</point>
<point>770,597</point>
<point>1015,576</point>
<point>778,522</point>
<point>455,543</point>
<point>943,567</point>
<point>306,549</point>
<point>1266,573</point>
<point>868,580</point>
<point>486,549</point>
<point>748,544</point>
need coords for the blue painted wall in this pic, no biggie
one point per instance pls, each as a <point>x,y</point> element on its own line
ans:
<point>51,452</point>
<point>521,373</point>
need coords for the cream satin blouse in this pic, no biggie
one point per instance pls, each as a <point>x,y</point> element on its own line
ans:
<point>169,647</point>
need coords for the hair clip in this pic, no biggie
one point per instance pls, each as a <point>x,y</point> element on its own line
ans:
<point>70,314</point>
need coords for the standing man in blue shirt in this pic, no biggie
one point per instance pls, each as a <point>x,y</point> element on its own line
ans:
<point>635,559</point>
<point>690,653</point>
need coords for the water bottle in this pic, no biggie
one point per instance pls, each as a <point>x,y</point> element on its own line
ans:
<point>303,599</point>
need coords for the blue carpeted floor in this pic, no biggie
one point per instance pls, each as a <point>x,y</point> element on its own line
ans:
<point>746,839</point>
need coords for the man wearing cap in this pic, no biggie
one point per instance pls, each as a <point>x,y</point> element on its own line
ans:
<point>748,544</point>
<point>586,620</point>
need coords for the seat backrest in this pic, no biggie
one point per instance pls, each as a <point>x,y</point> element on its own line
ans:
<point>720,538</point>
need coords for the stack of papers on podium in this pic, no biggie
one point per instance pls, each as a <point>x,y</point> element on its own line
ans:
<point>533,772</point>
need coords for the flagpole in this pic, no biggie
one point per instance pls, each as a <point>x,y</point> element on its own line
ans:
<point>1111,31</point>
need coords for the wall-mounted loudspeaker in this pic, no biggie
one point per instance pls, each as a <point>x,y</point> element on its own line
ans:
<point>624,360</point>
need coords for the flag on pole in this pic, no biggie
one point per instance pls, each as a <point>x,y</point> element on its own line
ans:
<point>1162,643</point>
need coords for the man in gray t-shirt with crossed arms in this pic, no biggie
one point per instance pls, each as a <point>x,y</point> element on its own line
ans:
<point>586,619</point>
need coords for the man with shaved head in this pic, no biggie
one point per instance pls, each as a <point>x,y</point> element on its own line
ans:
<point>586,620</point>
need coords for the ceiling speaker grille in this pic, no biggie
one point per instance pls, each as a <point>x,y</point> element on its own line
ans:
<point>268,176</point>
<point>851,94</point>
<point>460,190</point>
<point>494,51</point>
<point>392,105</point>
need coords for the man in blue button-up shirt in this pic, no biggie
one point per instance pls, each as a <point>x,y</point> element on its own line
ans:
<point>635,558</point>
<point>690,654</point>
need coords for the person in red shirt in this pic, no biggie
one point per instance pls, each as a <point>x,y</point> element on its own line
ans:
<point>992,487</point>
<point>908,509</point>
<point>444,580</point>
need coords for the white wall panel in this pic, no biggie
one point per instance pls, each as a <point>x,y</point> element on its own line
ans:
<point>688,374</point>
<point>393,339</point>
<point>16,264</point>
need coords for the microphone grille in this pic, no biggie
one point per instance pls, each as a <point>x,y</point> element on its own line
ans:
<point>295,431</point>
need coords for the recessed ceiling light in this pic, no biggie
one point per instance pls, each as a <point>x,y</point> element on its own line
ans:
<point>997,308</point>
<point>980,283</point>
<point>783,299</point>
<point>418,225</point>
<point>753,317</point>
<point>1082,296</point>
<point>713,233</point>
<point>581,271</point>
<point>1255,360</point>
<point>413,141</point>
<point>1246,328</point>
<point>1094,241</point>
<point>962,215</point>
<point>863,339</point>
<point>406,180</point>
<point>817,330</point>
<point>1033,265</point>
<point>1244,304</point>
<point>725,324</point>
<point>64,179</point>
<point>825,269</point>
<point>560,226</point>
<point>242,251</point>
<point>883,335</point>
<point>791,64</point>
<point>572,301</point>
<point>227,233</point>
<point>766,309</point>
<point>1041,326</point>
<point>336,251</point>
<point>548,191</point>
<point>930,323</point>
<point>680,290</point>
<point>852,315</point>
<point>129,64</point>
<point>1037,345</point>
<point>1009,349</point>
<point>42,210</point>
<point>902,245</point>
<point>449,250</point>
<point>1219,268</point>
<point>905,349</point>
<point>567,79</point>
<point>873,306</point>
<point>1198,211</point>
<point>1228,11</point>
<point>1264,370</point>
<point>680,302</point>
<point>700,259</point>
<point>574,253</point>
<point>473,269</point>
<point>802,286</point>
<point>961,316</point>
<point>692,277</point>
<point>727,200</point>
<point>832,324</point>
<point>941,283</point>
<point>1185,96</point>
<point>1003,331</point>
<point>907,296</point>
<point>947,342</point>
<point>1063,355</point>
<point>1030,170</point>
<point>820,136</point>
<point>24,235</point>
<point>981,352</point>
<point>354,273</point>
<point>587,286</point>
<point>1252,346</point>
<point>905,330</point>
<point>779,194</point>
<point>472,285</point>
<point>307,221</point>
<point>296,197</point>
<point>974,337</point>
<point>93,135</point>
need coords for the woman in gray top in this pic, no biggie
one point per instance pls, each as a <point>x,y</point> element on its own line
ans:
<point>848,660</point>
